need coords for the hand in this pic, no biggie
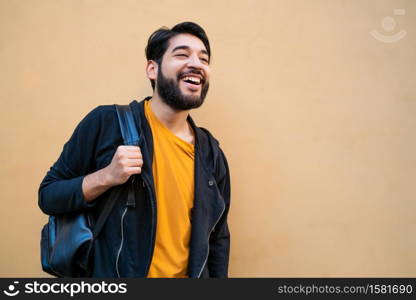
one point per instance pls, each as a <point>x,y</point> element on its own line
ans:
<point>126,161</point>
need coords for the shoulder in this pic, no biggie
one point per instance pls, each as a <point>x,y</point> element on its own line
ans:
<point>206,134</point>
<point>102,120</point>
<point>213,152</point>
<point>98,128</point>
<point>95,138</point>
<point>100,113</point>
<point>208,143</point>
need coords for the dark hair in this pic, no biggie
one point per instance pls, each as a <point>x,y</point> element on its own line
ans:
<point>159,40</point>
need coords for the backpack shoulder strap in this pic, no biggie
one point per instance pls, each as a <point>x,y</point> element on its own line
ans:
<point>130,136</point>
<point>127,125</point>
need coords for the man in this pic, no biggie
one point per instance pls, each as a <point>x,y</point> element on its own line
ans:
<point>179,227</point>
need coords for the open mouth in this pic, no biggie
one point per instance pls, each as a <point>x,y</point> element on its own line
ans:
<point>193,80</point>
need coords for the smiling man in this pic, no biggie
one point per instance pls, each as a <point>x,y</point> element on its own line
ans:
<point>178,225</point>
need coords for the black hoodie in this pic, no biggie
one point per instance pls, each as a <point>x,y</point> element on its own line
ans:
<point>125,246</point>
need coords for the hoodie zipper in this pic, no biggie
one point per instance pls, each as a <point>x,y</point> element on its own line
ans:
<point>206,258</point>
<point>148,187</point>
<point>152,233</point>
<point>122,235</point>
<point>122,241</point>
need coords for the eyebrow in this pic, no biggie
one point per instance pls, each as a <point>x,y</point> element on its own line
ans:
<point>188,48</point>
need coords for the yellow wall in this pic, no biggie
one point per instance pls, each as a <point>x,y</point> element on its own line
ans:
<point>316,116</point>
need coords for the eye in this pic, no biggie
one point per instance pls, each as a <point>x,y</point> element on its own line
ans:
<point>182,54</point>
<point>205,60</point>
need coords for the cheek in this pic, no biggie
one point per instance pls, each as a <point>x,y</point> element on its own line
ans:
<point>207,71</point>
<point>171,68</point>
<point>207,75</point>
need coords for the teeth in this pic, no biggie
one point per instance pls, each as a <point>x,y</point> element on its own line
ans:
<point>193,79</point>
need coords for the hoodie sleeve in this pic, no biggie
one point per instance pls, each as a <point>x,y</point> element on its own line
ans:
<point>220,237</point>
<point>61,189</point>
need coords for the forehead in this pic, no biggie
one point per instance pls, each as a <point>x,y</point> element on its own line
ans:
<point>188,40</point>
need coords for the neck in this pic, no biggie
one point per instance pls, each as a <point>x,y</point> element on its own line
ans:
<point>174,120</point>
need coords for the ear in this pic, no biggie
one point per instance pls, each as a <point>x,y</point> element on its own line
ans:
<point>151,69</point>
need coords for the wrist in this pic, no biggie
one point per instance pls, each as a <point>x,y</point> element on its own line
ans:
<point>105,178</point>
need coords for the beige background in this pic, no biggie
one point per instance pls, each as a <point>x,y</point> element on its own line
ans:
<point>316,116</point>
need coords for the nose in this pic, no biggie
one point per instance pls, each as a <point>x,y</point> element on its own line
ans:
<point>195,62</point>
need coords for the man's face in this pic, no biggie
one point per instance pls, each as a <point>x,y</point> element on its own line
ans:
<point>183,76</point>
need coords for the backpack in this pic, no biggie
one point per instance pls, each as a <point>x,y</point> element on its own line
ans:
<point>67,239</point>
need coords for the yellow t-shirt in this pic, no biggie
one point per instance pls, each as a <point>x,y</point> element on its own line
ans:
<point>173,172</point>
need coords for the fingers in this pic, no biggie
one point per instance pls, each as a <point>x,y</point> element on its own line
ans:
<point>129,148</point>
<point>133,162</point>
<point>128,152</point>
<point>132,155</point>
<point>134,170</point>
<point>126,161</point>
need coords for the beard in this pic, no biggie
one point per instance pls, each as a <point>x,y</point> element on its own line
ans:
<point>169,91</point>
